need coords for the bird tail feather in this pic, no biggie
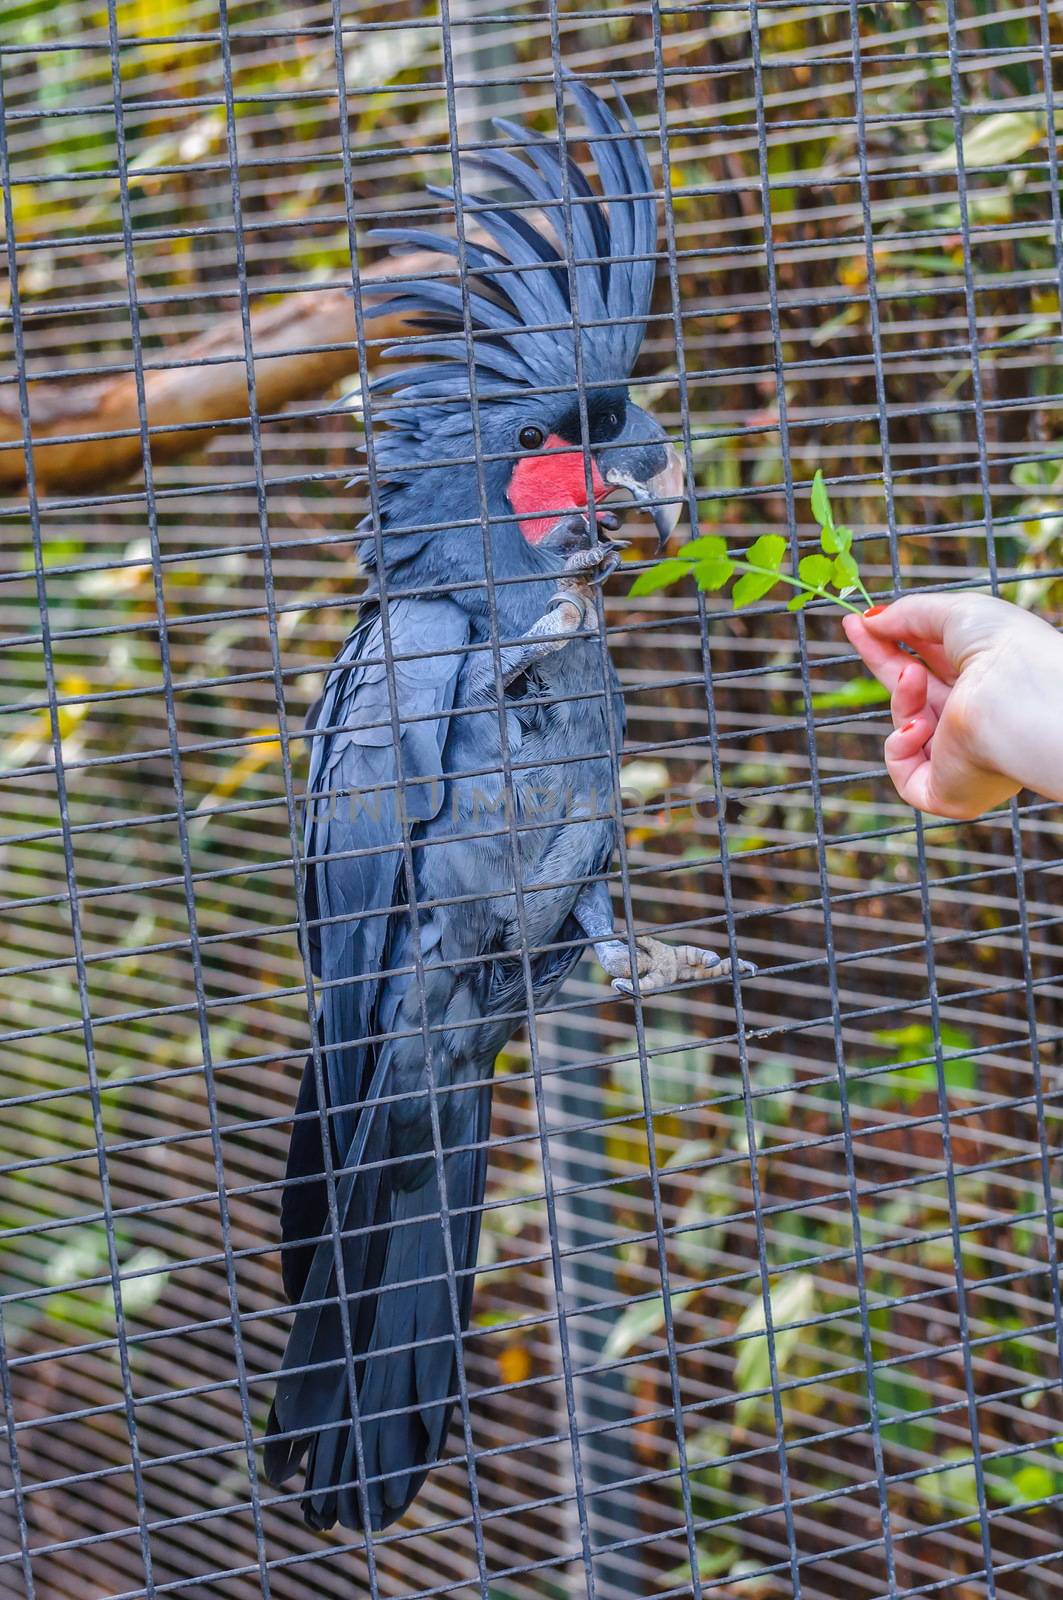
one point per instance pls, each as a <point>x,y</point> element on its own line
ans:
<point>401,1306</point>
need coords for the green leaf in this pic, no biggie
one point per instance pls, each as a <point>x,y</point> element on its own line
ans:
<point>915,1038</point>
<point>491,1319</point>
<point>858,692</point>
<point>711,1197</point>
<point>792,1300</point>
<point>1036,328</point>
<point>776,1074</point>
<point>712,574</point>
<point>768,552</point>
<point>1032,1482</point>
<point>140,1294</point>
<point>800,600</point>
<point>638,1322</point>
<point>994,140</point>
<point>821,501</point>
<point>752,586</point>
<point>959,1484</point>
<point>845,573</point>
<point>815,570</point>
<point>84,1255</point>
<point>836,541</point>
<point>1033,474</point>
<point>917,1041</point>
<point>661,576</point>
<point>712,1445</point>
<point>708,548</point>
<point>645,780</point>
<point>690,1152</point>
<point>898,1395</point>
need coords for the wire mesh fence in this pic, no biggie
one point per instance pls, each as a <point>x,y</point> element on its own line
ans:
<point>766,1296</point>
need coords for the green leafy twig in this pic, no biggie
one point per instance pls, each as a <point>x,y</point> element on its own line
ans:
<point>831,573</point>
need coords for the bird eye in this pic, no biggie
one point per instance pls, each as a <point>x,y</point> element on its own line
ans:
<point>612,422</point>
<point>531,438</point>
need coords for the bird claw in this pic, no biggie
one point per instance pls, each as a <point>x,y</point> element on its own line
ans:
<point>663,966</point>
<point>582,570</point>
<point>588,569</point>
<point>572,534</point>
<point>587,563</point>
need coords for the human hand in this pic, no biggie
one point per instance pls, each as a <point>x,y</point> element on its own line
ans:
<point>979,715</point>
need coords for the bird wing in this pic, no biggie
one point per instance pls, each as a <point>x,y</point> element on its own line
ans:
<point>354,880</point>
<point>358,789</point>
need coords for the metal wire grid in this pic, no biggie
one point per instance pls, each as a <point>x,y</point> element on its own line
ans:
<point>158,1010</point>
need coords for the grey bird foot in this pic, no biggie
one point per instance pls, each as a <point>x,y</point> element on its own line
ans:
<point>590,567</point>
<point>573,533</point>
<point>662,966</point>
<point>587,562</point>
<point>571,606</point>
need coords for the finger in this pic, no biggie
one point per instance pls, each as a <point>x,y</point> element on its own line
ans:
<point>917,691</point>
<point>909,695</point>
<point>906,759</point>
<point>920,616</point>
<point>883,659</point>
<point>887,662</point>
<point>919,620</point>
<point>936,659</point>
<point>937,694</point>
<point>939,778</point>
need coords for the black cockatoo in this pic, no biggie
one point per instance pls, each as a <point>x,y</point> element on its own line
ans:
<point>422,984</point>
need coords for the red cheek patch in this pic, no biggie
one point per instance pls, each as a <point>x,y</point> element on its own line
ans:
<point>551,484</point>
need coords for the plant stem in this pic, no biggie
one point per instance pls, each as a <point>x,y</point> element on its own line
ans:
<point>863,591</point>
<point>808,588</point>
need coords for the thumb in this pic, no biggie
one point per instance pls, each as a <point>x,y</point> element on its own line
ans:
<point>914,616</point>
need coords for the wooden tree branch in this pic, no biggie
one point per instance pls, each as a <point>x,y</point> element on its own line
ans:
<point>290,365</point>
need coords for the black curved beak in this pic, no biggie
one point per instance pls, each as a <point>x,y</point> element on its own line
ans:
<point>642,461</point>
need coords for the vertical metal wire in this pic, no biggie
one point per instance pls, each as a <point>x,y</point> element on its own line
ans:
<point>409,864</point>
<point>788,479</point>
<point>821,844</point>
<point>1051,1237</point>
<point>177,780</point>
<point>291,810</point>
<point>11,1440</point>
<point>320,1091</point>
<point>645,1087</point>
<point>978,393</point>
<point>682,384</point>
<point>506,757</point>
<point>69,862</point>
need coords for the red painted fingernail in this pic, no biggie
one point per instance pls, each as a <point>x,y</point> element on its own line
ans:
<point>873,611</point>
<point>908,726</point>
